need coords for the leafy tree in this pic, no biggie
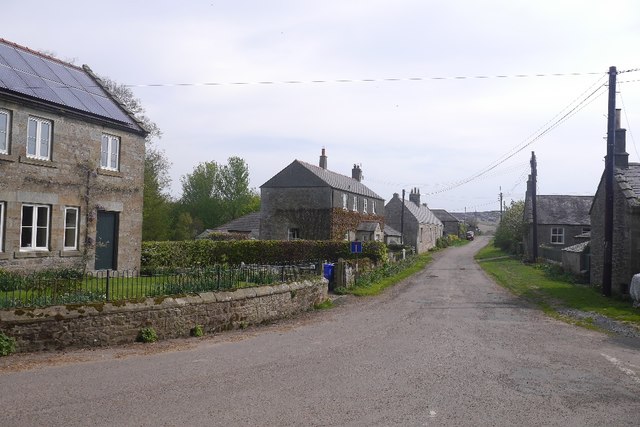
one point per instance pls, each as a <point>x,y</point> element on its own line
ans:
<point>233,189</point>
<point>183,229</point>
<point>510,232</point>
<point>199,194</point>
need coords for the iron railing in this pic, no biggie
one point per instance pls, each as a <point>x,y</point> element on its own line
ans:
<point>103,286</point>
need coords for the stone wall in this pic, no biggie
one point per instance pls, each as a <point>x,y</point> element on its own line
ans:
<point>105,324</point>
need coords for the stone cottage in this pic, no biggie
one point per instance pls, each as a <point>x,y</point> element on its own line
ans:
<point>450,223</point>
<point>72,165</point>
<point>626,221</point>
<point>419,227</point>
<point>305,201</point>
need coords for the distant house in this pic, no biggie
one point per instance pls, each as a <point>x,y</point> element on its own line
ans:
<point>626,221</point>
<point>450,223</point>
<point>369,231</point>
<point>420,228</point>
<point>305,201</point>
<point>72,168</point>
<point>392,236</point>
<point>562,220</point>
<point>247,226</point>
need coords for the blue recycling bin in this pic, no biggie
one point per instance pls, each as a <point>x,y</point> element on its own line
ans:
<point>327,271</point>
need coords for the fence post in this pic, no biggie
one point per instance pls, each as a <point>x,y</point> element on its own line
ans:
<point>107,287</point>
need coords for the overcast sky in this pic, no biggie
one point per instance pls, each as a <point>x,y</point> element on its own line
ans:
<point>418,131</point>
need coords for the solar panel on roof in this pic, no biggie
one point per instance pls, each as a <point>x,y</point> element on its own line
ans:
<point>15,60</point>
<point>40,67</point>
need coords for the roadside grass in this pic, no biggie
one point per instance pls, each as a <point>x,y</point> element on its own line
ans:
<point>532,283</point>
<point>377,286</point>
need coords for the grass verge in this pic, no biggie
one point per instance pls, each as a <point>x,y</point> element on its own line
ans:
<point>374,288</point>
<point>533,284</point>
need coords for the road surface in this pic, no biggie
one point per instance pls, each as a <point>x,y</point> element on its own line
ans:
<point>446,347</point>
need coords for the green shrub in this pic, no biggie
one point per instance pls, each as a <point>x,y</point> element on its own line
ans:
<point>7,345</point>
<point>205,253</point>
<point>197,331</point>
<point>147,335</point>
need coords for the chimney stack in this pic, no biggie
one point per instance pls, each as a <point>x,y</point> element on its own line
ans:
<point>323,160</point>
<point>356,173</point>
<point>414,196</point>
<point>620,155</point>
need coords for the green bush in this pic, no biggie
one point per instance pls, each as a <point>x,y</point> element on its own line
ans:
<point>147,335</point>
<point>7,345</point>
<point>197,331</point>
<point>206,253</point>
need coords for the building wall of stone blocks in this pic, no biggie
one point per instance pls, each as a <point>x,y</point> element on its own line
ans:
<point>72,178</point>
<point>107,324</point>
<point>626,241</point>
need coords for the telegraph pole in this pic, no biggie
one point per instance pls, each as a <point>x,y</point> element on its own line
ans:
<point>500,198</point>
<point>607,268</point>
<point>402,220</point>
<point>534,209</point>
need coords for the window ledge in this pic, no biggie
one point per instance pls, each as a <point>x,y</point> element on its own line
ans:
<point>70,253</point>
<point>108,172</point>
<point>8,158</point>
<point>38,162</point>
<point>31,254</point>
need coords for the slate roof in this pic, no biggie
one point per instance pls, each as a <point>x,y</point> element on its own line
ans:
<point>578,248</point>
<point>562,210</point>
<point>25,73</point>
<point>368,226</point>
<point>629,182</point>
<point>422,213</point>
<point>390,231</point>
<point>300,174</point>
<point>244,224</point>
<point>444,216</point>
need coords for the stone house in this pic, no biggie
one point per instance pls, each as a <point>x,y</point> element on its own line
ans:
<point>563,220</point>
<point>450,223</point>
<point>246,226</point>
<point>420,228</point>
<point>72,167</point>
<point>305,201</point>
<point>626,221</point>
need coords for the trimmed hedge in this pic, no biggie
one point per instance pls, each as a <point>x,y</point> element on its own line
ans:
<point>204,252</point>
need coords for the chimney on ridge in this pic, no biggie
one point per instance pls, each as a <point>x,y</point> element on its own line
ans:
<point>323,160</point>
<point>414,196</point>
<point>356,173</point>
<point>620,155</point>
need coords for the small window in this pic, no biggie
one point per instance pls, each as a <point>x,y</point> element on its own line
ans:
<point>294,233</point>
<point>355,203</point>
<point>1,226</point>
<point>70,229</point>
<point>557,235</point>
<point>4,132</point>
<point>344,201</point>
<point>364,205</point>
<point>39,139</point>
<point>110,152</point>
<point>34,233</point>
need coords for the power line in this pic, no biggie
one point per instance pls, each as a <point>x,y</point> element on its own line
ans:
<point>364,80</point>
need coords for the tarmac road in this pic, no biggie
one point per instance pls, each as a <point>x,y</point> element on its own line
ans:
<point>447,347</point>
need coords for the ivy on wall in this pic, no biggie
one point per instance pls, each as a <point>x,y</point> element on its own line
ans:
<point>343,220</point>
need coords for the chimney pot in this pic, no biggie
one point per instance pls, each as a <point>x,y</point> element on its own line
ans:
<point>323,160</point>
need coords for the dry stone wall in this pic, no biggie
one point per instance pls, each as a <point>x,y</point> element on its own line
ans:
<point>105,324</point>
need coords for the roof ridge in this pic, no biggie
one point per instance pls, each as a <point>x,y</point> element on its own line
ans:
<point>40,54</point>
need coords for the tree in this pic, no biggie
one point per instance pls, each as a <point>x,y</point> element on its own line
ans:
<point>510,232</point>
<point>214,194</point>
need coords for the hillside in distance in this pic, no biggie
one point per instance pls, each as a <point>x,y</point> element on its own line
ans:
<point>488,217</point>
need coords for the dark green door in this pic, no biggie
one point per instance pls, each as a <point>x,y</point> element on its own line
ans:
<point>107,241</point>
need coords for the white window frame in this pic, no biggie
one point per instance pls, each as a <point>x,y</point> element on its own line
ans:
<point>1,226</point>
<point>40,139</point>
<point>557,235</point>
<point>4,133</point>
<point>293,234</point>
<point>110,152</point>
<point>373,207</point>
<point>35,228</point>
<point>345,200</point>
<point>71,228</point>
<point>355,203</point>
<point>364,205</point>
